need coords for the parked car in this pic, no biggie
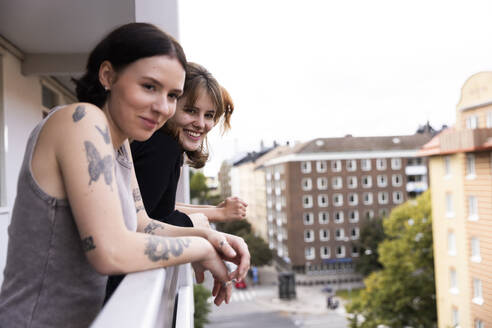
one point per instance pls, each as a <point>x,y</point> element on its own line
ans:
<point>240,284</point>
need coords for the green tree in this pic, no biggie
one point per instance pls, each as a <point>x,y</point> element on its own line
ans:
<point>402,293</point>
<point>260,253</point>
<point>371,235</point>
<point>198,186</point>
<point>202,307</point>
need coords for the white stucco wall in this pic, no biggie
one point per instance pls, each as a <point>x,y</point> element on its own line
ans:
<point>22,110</point>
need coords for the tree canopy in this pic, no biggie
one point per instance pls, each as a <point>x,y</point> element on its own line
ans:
<point>402,293</point>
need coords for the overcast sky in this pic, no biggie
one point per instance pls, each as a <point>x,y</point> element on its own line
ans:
<point>299,70</point>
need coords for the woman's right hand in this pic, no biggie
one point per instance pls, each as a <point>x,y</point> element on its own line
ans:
<point>213,263</point>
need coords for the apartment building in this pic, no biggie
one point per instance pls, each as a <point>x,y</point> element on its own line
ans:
<point>460,165</point>
<point>318,195</point>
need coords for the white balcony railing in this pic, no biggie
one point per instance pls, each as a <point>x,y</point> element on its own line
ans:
<point>416,170</point>
<point>148,300</point>
<point>416,186</point>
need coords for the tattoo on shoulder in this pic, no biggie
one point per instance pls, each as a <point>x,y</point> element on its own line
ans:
<point>152,226</point>
<point>88,244</point>
<point>104,133</point>
<point>98,165</point>
<point>136,195</point>
<point>158,248</point>
<point>79,113</point>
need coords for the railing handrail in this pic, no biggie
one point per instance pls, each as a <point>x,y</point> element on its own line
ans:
<point>147,300</point>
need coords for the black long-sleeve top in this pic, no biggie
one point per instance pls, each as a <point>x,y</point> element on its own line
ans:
<point>157,163</point>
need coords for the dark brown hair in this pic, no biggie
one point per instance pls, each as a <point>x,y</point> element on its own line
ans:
<point>123,46</point>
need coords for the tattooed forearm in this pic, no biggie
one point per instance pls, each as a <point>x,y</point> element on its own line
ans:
<point>136,195</point>
<point>79,113</point>
<point>151,227</point>
<point>98,166</point>
<point>140,208</point>
<point>104,133</point>
<point>158,248</point>
<point>88,244</point>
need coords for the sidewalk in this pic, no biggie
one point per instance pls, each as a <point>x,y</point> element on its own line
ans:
<point>309,300</point>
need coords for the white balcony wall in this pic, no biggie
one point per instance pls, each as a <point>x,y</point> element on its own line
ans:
<point>416,170</point>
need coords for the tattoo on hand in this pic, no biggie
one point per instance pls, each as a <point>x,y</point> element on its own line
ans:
<point>151,227</point>
<point>88,244</point>
<point>158,248</point>
<point>105,134</point>
<point>79,113</point>
<point>136,195</point>
<point>98,166</point>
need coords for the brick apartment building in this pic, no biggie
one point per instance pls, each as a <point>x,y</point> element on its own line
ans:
<point>319,194</point>
<point>460,165</point>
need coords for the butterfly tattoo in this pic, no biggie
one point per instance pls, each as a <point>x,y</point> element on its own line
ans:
<point>79,113</point>
<point>98,165</point>
<point>105,134</point>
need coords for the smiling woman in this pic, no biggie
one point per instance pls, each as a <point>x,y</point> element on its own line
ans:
<point>77,216</point>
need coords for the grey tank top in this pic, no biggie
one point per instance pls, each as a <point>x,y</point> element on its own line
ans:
<point>48,281</point>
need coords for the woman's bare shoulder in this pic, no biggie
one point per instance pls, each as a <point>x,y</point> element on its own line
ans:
<point>78,112</point>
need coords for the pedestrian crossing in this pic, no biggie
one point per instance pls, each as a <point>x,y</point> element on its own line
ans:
<point>238,296</point>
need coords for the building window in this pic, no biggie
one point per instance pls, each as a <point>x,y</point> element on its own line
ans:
<point>455,317</point>
<point>367,198</point>
<point>308,236</point>
<point>479,324</point>
<point>351,165</point>
<point>395,163</point>
<point>355,251</point>
<point>324,234</point>
<point>451,244</point>
<point>336,165</point>
<point>322,183</point>
<point>366,181</point>
<point>325,252</point>
<point>447,166</point>
<point>321,166</point>
<point>306,167</point>
<point>472,122</point>
<point>352,182</point>
<point>337,199</point>
<point>396,180</point>
<point>309,253</point>
<point>338,217</point>
<point>381,164</point>
<point>323,217</point>
<point>382,180</point>
<point>337,183</point>
<point>470,166</point>
<point>340,251</point>
<point>353,199</point>
<point>354,233</point>
<point>308,218</point>
<point>354,216</point>
<point>307,201</point>
<point>306,184</point>
<point>449,205</point>
<point>397,197</point>
<point>365,164</point>
<point>472,208</point>
<point>488,120</point>
<point>475,250</point>
<point>322,200</point>
<point>453,281</point>
<point>383,197</point>
<point>369,214</point>
<point>383,213</point>
<point>339,234</point>
<point>477,291</point>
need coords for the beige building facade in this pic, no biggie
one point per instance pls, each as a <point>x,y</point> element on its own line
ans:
<point>460,166</point>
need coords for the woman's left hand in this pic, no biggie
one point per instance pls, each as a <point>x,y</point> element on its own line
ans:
<point>233,208</point>
<point>233,249</point>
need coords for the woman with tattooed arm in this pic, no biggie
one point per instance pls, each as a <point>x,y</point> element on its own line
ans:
<point>74,220</point>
